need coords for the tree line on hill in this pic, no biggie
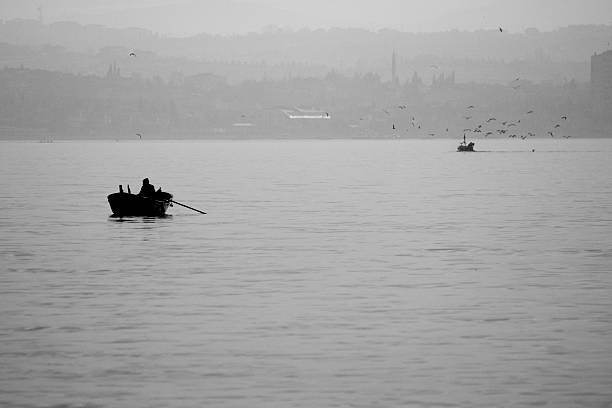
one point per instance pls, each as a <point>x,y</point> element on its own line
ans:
<point>37,103</point>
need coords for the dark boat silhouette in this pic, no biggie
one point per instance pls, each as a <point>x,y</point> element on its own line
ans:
<point>127,204</point>
<point>465,147</point>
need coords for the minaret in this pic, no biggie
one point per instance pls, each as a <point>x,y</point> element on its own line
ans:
<point>394,79</point>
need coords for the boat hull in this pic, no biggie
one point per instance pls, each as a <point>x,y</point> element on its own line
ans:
<point>125,205</point>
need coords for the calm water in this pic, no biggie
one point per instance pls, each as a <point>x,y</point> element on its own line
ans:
<point>326,273</point>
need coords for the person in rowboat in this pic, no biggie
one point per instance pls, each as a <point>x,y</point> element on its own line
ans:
<point>147,189</point>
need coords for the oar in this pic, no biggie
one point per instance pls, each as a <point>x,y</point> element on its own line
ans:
<point>186,206</point>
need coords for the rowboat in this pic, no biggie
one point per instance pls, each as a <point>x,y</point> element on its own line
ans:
<point>125,204</point>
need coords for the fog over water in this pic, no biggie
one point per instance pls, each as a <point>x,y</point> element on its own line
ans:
<point>330,242</point>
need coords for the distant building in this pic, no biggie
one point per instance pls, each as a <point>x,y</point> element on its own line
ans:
<point>113,71</point>
<point>601,82</point>
<point>394,78</point>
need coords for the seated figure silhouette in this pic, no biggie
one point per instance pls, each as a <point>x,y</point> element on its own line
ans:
<point>147,189</point>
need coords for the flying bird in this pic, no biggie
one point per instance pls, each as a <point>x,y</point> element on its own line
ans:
<point>132,54</point>
<point>551,134</point>
<point>564,117</point>
<point>501,30</point>
<point>470,107</point>
<point>139,135</point>
<point>394,126</point>
<point>528,112</point>
<point>557,125</point>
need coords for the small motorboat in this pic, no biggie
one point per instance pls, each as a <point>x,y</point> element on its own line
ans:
<point>465,147</point>
<point>127,204</point>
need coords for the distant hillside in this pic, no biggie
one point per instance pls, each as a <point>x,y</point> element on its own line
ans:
<point>481,56</point>
<point>41,104</point>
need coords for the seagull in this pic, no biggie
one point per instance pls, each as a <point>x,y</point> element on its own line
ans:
<point>490,119</point>
<point>139,135</point>
<point>529,112</point>
<point>551,134</point>
<point>557,125</point>
<point>394,126</point>
<point>132,54</point>
<point>470,107</point>
<point>564,117</point>
<point>501,30</point>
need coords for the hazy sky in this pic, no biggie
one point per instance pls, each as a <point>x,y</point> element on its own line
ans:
<point>188,17</point>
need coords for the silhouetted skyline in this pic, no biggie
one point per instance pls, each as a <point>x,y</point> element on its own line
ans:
<point>190,17</point>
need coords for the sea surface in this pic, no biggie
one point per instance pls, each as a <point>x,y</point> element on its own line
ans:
<point>341,273</point>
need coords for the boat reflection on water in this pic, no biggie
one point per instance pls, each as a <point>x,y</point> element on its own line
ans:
<point>138,219</point>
